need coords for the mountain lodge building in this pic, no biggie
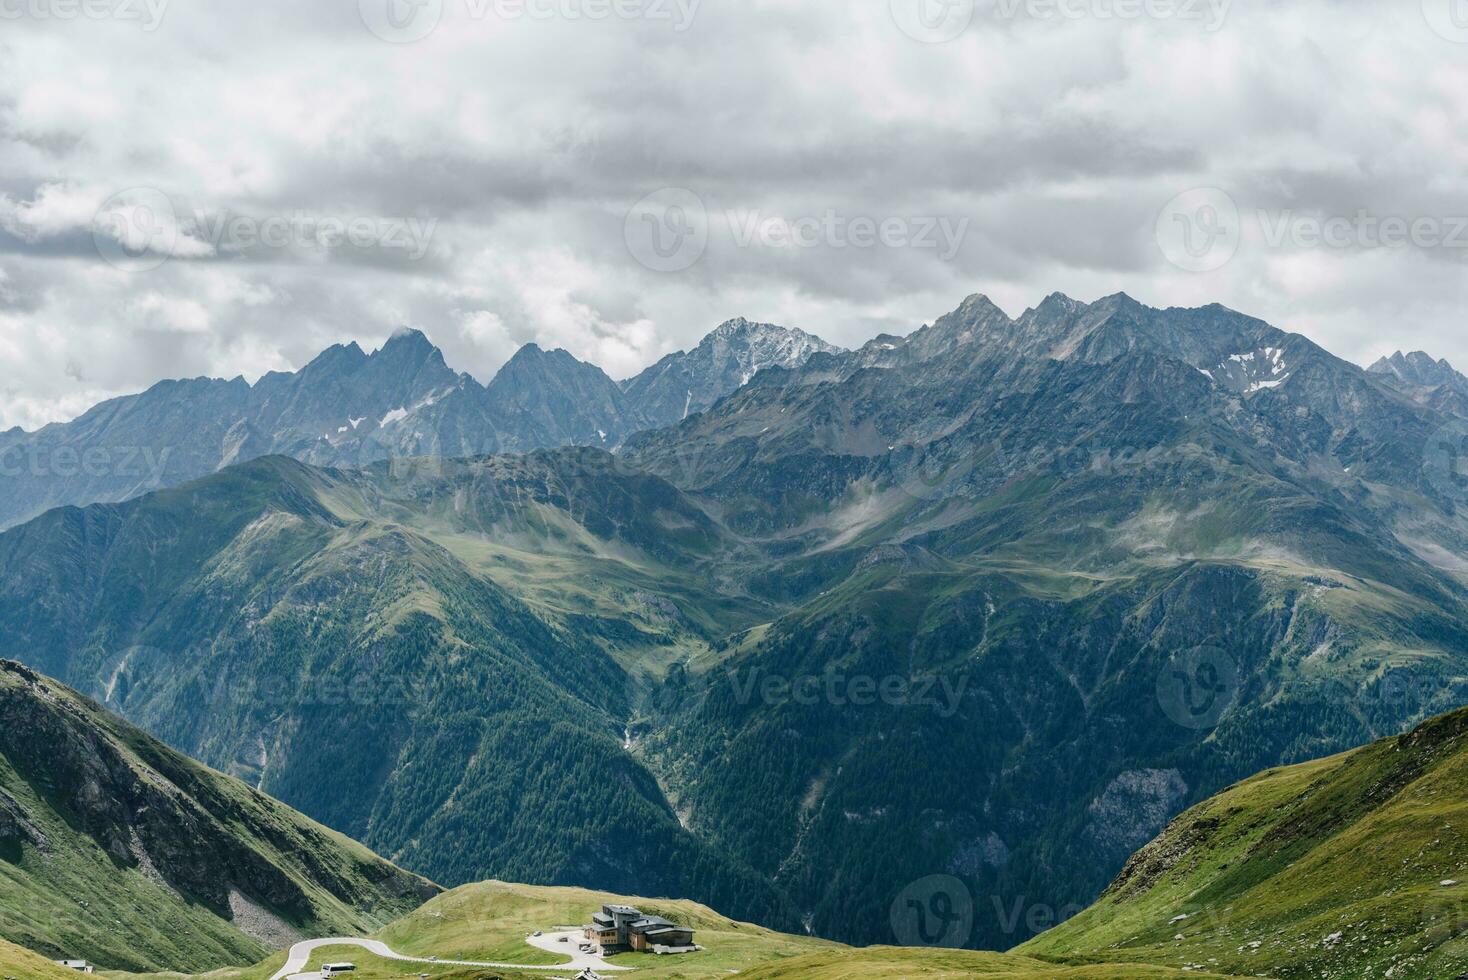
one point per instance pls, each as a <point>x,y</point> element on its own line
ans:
<point>622,928</point>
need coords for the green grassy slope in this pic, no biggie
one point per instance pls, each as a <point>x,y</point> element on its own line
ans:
<point>1332,868</point>
<point>17,963</point>
<point>490,920</point>
<point>115,849</point>
<point>286,625</point>
<point>886,963</point>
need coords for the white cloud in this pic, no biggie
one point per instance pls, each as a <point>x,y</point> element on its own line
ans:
<point>527,140</point>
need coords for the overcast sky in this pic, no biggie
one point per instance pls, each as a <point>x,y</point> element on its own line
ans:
<point>619,182</point>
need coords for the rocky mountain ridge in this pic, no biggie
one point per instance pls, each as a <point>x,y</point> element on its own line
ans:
<point>349,408</point>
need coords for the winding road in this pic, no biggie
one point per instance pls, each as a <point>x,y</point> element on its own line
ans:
<point>300,955</point>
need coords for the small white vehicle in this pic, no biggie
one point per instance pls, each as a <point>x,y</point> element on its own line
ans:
<point>536,934</point>
<point>336,969</point>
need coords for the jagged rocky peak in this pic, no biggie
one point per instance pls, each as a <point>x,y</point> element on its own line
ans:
<point>978,320</point>
<point>1418,368</point>
<point>688,382</point>
<point>1055,305</point>
<point>752,347</point>
<point>408,337</point>
<point>533,362</point>
<point>409,345</point>
<point>342,358</point>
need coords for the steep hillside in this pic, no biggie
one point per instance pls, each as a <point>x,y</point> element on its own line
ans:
<point>1106,560</point>
<point>286,625</point>
<point>1352,866</point>
<point>118,850</point>
<point>1011,591</point>
<point>21,964</point>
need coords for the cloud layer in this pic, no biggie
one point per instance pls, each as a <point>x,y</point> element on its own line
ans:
<point>190,188</point>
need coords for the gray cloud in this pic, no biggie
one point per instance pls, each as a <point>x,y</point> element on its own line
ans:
<point>1054,143</point>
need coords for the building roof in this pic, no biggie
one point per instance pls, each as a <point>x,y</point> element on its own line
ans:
<point>650,921</point>
<point>620,910</point>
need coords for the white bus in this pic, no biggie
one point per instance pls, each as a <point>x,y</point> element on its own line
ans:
<point>333,969</point>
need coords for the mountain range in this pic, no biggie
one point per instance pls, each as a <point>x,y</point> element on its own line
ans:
<point>350,408</point>
<point>1011,591</point>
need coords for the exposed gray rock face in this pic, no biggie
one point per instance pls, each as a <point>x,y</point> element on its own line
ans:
<point>683,384</point>
<point>1419,368</point>
<point>1135,807</point>
<point>348,408</point>
<point>16,828</point>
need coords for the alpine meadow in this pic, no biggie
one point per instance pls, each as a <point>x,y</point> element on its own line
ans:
<point>916,490</point>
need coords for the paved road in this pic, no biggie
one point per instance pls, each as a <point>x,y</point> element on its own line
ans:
<point>300,955</point>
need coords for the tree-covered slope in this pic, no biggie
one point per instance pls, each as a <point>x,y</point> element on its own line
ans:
<point>1011,592</point>
<point>1108,560</point>
<point>1350,866</point>
<point>280,623</point>
<point>118,850</point>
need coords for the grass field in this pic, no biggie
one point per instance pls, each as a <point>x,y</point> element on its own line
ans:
<point>884,963</point>
<point>1346,867</point>
<point>22,964</point>
<point>489,921</point>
